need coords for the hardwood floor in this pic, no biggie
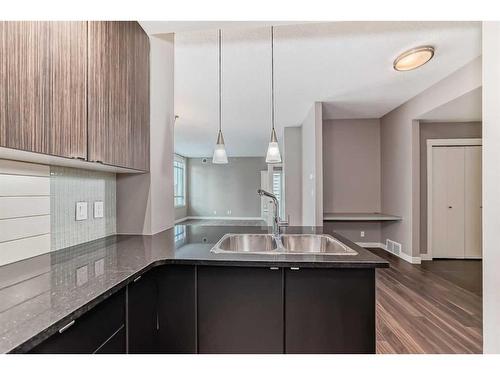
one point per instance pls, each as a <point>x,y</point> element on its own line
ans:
<point>422,309</point>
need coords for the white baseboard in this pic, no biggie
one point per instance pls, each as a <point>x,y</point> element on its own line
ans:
<point>404,256</point>
<point>217,218</point>
<point>425,257</point>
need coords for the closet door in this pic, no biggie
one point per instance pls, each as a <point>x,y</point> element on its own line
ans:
<point>473,202</point>
<point>448,202</point>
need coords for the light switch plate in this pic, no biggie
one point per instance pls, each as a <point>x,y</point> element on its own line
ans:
<point>98,209</point>
<point>99,267</point>
<point>82,275</point>
<point>81,211</point>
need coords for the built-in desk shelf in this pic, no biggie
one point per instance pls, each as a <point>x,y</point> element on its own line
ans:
<point>364,216</point>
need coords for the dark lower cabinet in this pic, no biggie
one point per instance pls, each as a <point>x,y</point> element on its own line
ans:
<point>142,314</point>
<point>330,311</point>
<point>217,309</point>
<point>91,331</point>
<point>116,344</point>
<point>176,309</point>
<point>240,310</point>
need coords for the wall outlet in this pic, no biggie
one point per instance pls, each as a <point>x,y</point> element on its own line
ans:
<point>229,212</point>
<point>215,212</point>
<point>81,211</point>
<point>98,209</point>
<point>362,233</point>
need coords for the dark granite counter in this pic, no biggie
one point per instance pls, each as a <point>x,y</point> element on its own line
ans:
<point>40,295</point>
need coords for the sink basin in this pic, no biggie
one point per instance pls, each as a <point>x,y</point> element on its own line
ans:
<point>290,244</point>
<point>246,243</point>
<point>320,244</point>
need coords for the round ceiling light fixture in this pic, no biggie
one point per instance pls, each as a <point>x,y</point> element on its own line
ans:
<point>414,58</point>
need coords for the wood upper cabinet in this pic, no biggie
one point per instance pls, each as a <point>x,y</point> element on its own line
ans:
<point>44,84</point>
<point>118,94</point>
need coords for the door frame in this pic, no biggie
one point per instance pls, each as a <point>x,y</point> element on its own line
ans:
<point>440,143</point>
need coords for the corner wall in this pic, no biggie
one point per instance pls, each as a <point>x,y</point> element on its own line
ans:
<point>491,187</point>
<point>400,161</point>
<point>145,202</point>
<point>312,167</point>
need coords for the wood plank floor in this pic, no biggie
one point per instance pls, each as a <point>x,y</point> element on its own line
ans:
<point>421,310</point>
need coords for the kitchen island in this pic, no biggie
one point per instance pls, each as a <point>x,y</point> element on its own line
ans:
<point>168,293</point>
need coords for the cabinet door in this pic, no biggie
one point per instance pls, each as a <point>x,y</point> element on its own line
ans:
<point>116,344</point>
<point>90,331</point>
<point>142,314</point>
<point>473,202</point>
<point>176,309</point>
<point>45,101</point>
<point>118,94</point>
<point>330,311</point>
<point>240,310</point>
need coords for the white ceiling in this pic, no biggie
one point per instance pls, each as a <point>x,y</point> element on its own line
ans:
<point>346,65</point>
<point>467,107</point>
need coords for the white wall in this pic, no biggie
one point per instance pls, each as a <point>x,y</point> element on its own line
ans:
<point>491,187</point>
<point>24,210</point>
<point>312,167</point>
<point>400,161</point>
<point>145,202</point>
<point>292,165</point>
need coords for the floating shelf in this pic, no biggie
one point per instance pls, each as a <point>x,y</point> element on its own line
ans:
<point>364,216</point>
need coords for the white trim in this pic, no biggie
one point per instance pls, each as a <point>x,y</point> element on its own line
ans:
<point>404,256</point>
<point>436,143</point>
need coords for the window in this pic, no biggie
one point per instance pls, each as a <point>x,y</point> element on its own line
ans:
<point>278,189</point>
<point>179,181</point>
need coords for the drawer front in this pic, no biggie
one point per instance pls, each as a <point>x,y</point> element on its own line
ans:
<point>90,331</point>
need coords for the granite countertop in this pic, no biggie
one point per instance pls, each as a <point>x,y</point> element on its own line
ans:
<point>41,294</point>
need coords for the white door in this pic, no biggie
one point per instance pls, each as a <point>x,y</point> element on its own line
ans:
<point>456,202</point>
<point>473,202</point>
<point>448,202</point>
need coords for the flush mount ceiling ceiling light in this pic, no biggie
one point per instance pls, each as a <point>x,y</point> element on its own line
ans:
<point>220,156</point>
<point>273,150</point>
<point>414,58</point>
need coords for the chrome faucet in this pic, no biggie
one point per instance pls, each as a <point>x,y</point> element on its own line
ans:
<point>277,222</point>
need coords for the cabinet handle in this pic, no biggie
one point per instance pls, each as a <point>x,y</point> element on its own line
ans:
<point>274,268</point>
<point>295,268</point>
<point>66,326</point>
<point>450,207</point>
<point>137,278</point>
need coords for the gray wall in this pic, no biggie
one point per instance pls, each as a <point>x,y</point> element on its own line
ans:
<point>292,163</point>
<point>214,189</point>
<point>438,130</point>
<point>400,154</point>
<point>351,165</point>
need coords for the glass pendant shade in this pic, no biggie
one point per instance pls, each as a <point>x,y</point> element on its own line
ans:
<point>220,155</point>
<point>273,150</point>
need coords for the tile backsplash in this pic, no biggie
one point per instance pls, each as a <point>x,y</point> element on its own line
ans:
<point>68,186</point>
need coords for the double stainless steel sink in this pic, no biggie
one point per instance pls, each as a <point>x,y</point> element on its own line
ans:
<point>294,244</point>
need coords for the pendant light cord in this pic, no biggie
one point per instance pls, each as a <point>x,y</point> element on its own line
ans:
<point>220,80</point>
<point>272,77</point>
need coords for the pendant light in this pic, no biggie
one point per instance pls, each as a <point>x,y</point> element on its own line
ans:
<point>220,156</point>
<point>273,150</point>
